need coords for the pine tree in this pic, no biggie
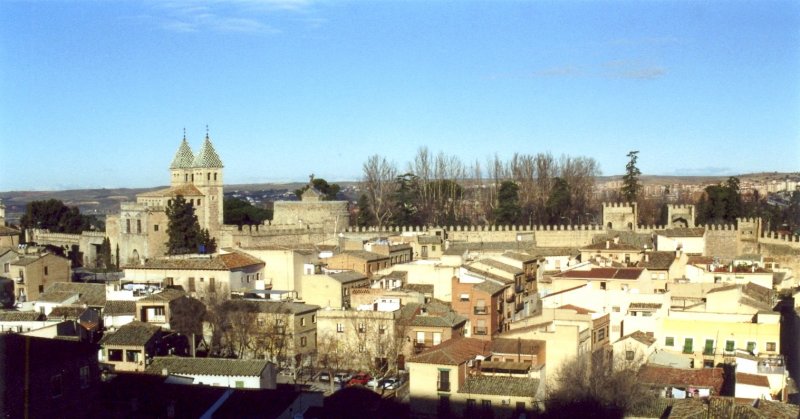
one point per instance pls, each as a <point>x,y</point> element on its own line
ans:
<point>630,181</point>
<point>183,229</point>
<point>508,210</point>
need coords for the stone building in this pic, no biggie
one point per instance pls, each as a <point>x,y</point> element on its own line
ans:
<point>139,231</point>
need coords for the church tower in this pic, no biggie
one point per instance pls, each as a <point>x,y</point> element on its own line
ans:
<point>181,167</point>
<point>206,176</point>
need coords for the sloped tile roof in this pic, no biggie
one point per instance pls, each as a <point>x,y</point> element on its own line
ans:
<point>519,256</point>
<point>8,231</point>
<point>500,386</point>
<point>69,312</point>
<point>363,254</point>
<point>56,296</point>
<point>679,377</point>
<point>90,294</point>
<point>279,307</point>
<point>490,287</point>
<point>207,157</point>
<point>222,262</point>
<point>347,277</point>
<point>166,295</point>
<point>119,307</point>
<point>496,264</point>
<point>454,351</point>
<point>186,189</point>
<point>236,260</point>
<point>640,337</point>
<point>611,246</point>
<point>602,273</point>
<point>752,379</point>
<point>512,346</point>
<point>207,366</point>
<point>183,157</point>
<point>657,260</point>
<point>579,310</point>
<point>131,334</point>
<point>20,316</point>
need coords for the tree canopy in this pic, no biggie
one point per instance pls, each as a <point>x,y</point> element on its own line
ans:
<point>53,215</point>
<point>329,190</point>
<point>630,181</point>
<point>508,210</point>
<point>240,212</point>
<point>184,232</point>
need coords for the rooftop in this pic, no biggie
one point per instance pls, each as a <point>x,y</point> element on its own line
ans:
<point>500,386</point>
<point>679,377</point>
<point>20,316</point>
<point>346,277</point>
<point>131,334</point>
<point>363,254</point>
<point>609,245</point>
<point>119,307</point>
<point>166,295</point>
<point>186,189</point>
<point>602,273</point>
<point>513,346</point>
<point>657,260</point>
<point>90,294</point>
<point>454,351</point>
<point>221,262</point>
<point>640,337</point>
<point>207,366</point>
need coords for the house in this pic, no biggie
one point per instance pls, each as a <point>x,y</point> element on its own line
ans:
<point>664,267</point>
<point>118,313</point>
<point>218,372</point>
<point>92,296</point>
<point>449,379</point>
<point>225,273</point>
<point>283,332</point>
<point>43,378</point>
<point>285,266</point>
<point>612,249</point>
<point>430,324</point>
<point>361,340</point>
<point>157,308</point>
<point>481,302</point>
<point>398,252</point>
<point>691,240</point>
<point>332,289</point>
<point>131,346</point>
<point>634,348</point>
<point>679,383</point>
<point>623,279</point>
<point>751,386</point>
<point>33,273</point>
<point>367,263</point>
<point>527,351</point>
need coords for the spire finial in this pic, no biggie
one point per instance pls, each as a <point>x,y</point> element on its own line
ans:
<point>206,131</point>
<point>184,133</point>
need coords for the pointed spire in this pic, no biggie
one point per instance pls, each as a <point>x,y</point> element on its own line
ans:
<point>184,156</point>
<point>207,157</point>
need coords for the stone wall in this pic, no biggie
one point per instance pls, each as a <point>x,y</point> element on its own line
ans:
<point>332,216</point>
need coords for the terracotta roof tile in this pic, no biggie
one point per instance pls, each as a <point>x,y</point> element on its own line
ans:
<point>500,386</point>
<point>666,376</point>
<point>454,351</point>
<point>184,190</point>
<point>752,379</point>
<point>131,334</point>
<point>603,273</point>
<point>512,346</point>
<point>207,366</point>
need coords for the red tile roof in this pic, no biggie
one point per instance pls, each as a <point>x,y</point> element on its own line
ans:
<point>580,310</point>
<point>679,377</point>
<point>454,351</point>
<point>603,273</point>
<point>752,379</point>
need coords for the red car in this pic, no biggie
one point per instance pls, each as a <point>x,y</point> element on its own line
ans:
<point>360,379</point>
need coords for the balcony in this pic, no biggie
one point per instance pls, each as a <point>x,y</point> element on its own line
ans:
<point>687,350</point>
<point>443,386</point>
<point>518,288</point>
<point>478,330</point>
<point>708,351</point>
<point>481,310</point>
<point>510,298</point>
<point>519,306</point>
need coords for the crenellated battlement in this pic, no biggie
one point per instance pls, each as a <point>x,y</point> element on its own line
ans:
<point>748,220</point>
<point>618,205</point>
<point>719,227</point>
<point>681,206</point>
<point>475,228</point>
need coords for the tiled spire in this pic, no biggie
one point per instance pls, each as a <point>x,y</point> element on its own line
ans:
<point>207,157</point>
<point>184,157</point>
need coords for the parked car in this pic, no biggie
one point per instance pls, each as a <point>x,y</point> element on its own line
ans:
<point>324,377</point>
<point>374,383</point>
<point>359,379</point>
<point>341,377</point>
<point>390,383</point>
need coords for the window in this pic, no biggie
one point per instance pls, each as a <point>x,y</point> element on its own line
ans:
<point>211,285</point>
<point>433,248</point>
<point>313,318</point>
<point>192,287</point>
<point>382,329</point>
<point>339,328</point>
<point>730,345</point>
<point>771,346</point>
<point>132,356</point>
<point>601,334</point>
<point>486,404</point>
<point>444,405</point>
<point>302,321</point>
<point>420,337</point>
<point>45,270</point>
<point>629,355</point>
<point>55,386</point>
<point>261,322</point>
<point>303,341</point>
<point>669,341</point>
<point>239,384</point>
<point>128,225</point>
<point>215,176</point>
<point>602,285</point>
<point>208,176</point>
<point>139,226</point>
<point>443,384</point>
<point>687,345</point>
<point>470,403</point>
<point>463,297</point>
<point>708,349</point>
<point>198,202</point>
<point>155,227</point>
<point>751,346</point>
<point>362,328</point>
<point>115,355</point>
<point>6,267</point>
<point>85,376</point>
<point>437,338</point>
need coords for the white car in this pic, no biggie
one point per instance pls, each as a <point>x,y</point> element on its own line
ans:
<point>391,383</point>
<point>373,383</point>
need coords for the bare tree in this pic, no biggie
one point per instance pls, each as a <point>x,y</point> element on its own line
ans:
<point>593,384</point>
<point>379,186</point>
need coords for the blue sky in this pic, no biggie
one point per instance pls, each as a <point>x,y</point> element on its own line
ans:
<point>97,93</point>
